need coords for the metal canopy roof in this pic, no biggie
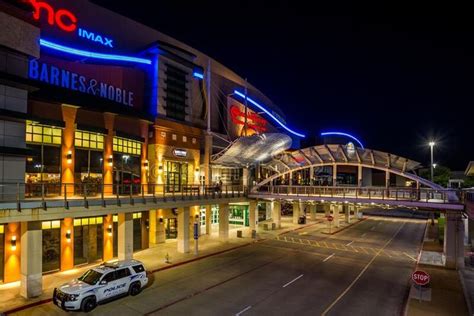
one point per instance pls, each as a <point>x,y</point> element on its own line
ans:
<point>340,154</point>
<point>249,150</point>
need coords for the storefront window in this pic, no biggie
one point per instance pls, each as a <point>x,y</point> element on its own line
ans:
<point>90,140</point>
<point>239,215</point>
<point>176,175</point>
<point>43,134</point>
<point>127,146</point>
<point>127,172</point>
<point>214,214</point>
<point>171,228</point>
<point>2,251</point>
<point>51,245</point>
<point>88,240</point>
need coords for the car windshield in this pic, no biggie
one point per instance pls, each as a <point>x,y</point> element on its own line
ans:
<point>90,277</point>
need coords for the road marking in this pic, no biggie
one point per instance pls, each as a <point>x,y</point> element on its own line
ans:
<point>350,243</point>
<point>409,256</point>
<point>363,235</point>
<point>328,257</point>
<point>295,279</point>
<point>244,310</point>
<point>373,227</point>
<point>361,273</point>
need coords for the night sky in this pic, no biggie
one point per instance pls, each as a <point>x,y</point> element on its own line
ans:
<point>394,76</point>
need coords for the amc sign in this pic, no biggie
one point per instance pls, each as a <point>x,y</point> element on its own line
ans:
<point>180,153</point>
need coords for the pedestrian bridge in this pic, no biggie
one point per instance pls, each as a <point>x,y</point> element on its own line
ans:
<point>347,174</point>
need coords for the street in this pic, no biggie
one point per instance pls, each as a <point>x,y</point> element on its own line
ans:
<point>363,270</point>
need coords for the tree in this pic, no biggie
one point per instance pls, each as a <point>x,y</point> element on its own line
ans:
<point>441,175</point>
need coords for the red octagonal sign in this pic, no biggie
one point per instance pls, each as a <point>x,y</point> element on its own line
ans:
<point>420,277</point>
<point>330,218</point>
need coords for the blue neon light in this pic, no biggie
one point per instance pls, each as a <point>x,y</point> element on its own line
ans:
<point>78,52</point>
<point>343,134</point>
<point>240,94</point>
<point>198,75</point>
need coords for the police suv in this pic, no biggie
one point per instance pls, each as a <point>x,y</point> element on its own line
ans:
<point>102,283</point>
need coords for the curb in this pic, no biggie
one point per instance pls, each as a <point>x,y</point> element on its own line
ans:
<point>467,299</point>
<point>344,228</point>
<point>48,300</point>
<point>298,228</point>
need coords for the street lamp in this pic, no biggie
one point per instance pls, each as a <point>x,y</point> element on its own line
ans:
<point>432,144</point>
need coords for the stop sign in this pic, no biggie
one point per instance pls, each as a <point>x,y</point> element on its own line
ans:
<point>420,277</point>
<point>330,218</point>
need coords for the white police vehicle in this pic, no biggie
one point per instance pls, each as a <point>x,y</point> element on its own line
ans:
<point>97,285</point>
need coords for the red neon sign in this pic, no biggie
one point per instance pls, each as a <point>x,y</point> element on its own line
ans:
<point>64,19</point>
<point>254,121</point>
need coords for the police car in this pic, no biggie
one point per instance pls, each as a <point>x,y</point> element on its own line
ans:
<point>102,283</point>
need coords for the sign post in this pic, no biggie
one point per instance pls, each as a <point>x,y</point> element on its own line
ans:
<point>330,219</point>
<point>196,238</point>
<point>420,278</point>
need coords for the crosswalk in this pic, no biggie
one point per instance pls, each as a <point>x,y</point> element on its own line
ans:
<point>347,247</point>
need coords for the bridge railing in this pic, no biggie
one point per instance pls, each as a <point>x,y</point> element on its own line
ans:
<point>394,193</point>
<point>46,192</point>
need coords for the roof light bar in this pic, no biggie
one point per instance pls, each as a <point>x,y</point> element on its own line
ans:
<point>343,134</point>
<point>240,94</point>
<point>79,52</point>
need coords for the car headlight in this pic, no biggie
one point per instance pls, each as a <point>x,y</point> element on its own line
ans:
<point>73,297</point>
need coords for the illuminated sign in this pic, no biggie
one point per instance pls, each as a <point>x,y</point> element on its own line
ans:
<point>76,82</point>
<point>254,121</point>
<point>350,148</point>
<point>180,153</point>
<point>67,21</point>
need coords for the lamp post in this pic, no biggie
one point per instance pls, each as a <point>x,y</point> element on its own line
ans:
<point>432,144</point>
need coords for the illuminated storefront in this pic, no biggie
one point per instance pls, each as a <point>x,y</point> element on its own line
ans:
<point>88,240</point>
<point>51,231</point>
<point>2,251</point>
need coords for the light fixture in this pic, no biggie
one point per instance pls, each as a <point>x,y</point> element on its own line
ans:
<point>432,144</point>
<point>145,164</point>
<point>69,157</point>
<point>242,95</point>
<point>434,165</point>
<point>160,168</point>
<point>68,236</point>
<point>83,53</point>
<point>161,219</point>
<point>109,230</point>
<point>13,243</point>
<point>110,161</point>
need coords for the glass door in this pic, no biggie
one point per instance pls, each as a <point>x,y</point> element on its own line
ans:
<point>171,228</point>
<point>176,176</point>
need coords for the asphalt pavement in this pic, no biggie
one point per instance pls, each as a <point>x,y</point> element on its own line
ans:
<point>363,270</point>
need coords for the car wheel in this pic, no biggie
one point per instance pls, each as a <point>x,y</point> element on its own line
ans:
<point>134,289</point>
<point>88,304</point>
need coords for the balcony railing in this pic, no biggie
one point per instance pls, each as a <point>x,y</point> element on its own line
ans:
<point>45,192</point>
<point>371,193</point>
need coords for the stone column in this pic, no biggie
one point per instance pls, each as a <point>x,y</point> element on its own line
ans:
<point>31,259</point>
<point>208,220</point>
<point>67,147</point>
<point>145,165</point>
<point>312,208</point>
<point>347,210</point>
<point>224,221</point>
<point>335,213</point>
<point>245,177</point>
<point>359,176</point>
<point>296,212</point>
<point>253,215</point>
<point>125,236</point>
<point>327,209</point>
<point>108,179</point>
<point>334,175</point>
<point>268,210</point>
<point>183,229</point>
<point>454,240</point>
<point>276,213</point>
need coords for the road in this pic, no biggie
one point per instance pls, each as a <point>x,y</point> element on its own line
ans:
<point>363,270</point>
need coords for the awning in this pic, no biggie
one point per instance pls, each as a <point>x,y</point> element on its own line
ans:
<point>249,150</point>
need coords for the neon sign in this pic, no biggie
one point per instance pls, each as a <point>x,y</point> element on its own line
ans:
<point>67,21</point>
<point>254,121</point>
<point>70,80</point>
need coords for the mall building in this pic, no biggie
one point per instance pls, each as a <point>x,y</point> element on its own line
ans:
<point>93,104</point>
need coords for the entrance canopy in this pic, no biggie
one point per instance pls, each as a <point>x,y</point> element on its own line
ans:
<point>249,150</point>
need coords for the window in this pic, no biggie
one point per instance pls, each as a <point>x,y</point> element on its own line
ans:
<point>174,137</point>
<point>185,139</point>
<point>138,268</point>
<point>194,140</point>
<point>89,140</point>
<point>122,273</point>
<point>176,93</point>
<point>109,277</point>
<point>127,146</point>
<point>43,134</point>
<point>163,134</point>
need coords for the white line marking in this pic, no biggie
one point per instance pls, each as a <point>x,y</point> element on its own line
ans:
<point>363,235</point>
<point>409,256</point>
<point>295,279</point>
<point>328,257</point>
<point>373,227</point>
<point>350,243</point>
<point>244,310</point>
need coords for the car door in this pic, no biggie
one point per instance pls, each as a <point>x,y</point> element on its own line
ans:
<point>123,280</point>
<point>109,289</point>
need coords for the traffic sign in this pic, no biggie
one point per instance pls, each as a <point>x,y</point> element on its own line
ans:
<point>330,218</point>
<point>420,277</point>
<point>196,231</point>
